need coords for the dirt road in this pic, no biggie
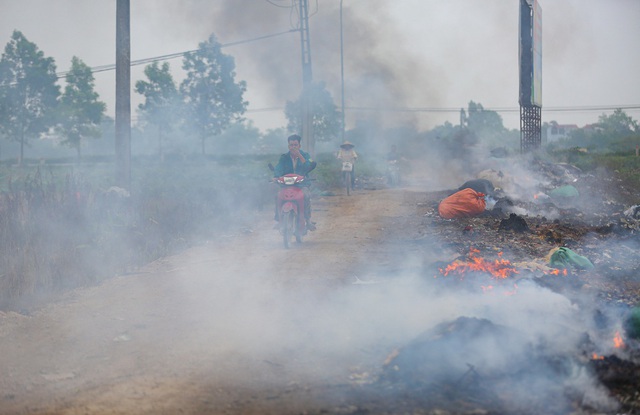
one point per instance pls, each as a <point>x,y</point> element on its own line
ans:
<point>238,325</point>
<point>351,321</point>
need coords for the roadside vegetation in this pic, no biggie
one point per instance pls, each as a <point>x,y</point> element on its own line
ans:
<point>625,164</point>
<point>610,145</point>
<point>62,225</point>
<point>62,229</point>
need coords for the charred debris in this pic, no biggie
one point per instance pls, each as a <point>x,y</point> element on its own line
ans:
<point>573,234</point>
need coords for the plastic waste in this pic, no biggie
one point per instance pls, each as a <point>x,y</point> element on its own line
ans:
<point>632,323</point>
<point>564,258</point>
<point>564,191</point>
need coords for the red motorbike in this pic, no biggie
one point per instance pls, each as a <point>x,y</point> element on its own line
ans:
<point>290,206</point>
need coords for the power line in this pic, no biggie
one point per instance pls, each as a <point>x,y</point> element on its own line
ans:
<point>278,5</point>
<point>137,62</point>
<point>499,109</point>
<point>111,67</point>
<point>592,108</point>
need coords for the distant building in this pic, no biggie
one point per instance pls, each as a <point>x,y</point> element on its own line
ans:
<point>554,131</point>
<point>592,128</point>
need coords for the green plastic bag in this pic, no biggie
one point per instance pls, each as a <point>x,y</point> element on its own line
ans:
<point>565,258</point>
<point>632,323</point>
<point>564,191</point>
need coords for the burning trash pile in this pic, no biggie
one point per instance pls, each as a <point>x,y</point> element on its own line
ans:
<point>500,268</point>
<point>518,346</point>
<point>470,363</point>
<point>542,288</point>
<point>552,215</point>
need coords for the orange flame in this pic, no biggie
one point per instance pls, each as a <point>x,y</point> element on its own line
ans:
<point>618,343</point>
<point>500,268</point>
<point>596,356</point>
<point>557,272</point>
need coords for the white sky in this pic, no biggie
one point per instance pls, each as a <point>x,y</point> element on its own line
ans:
<point>397,53</point>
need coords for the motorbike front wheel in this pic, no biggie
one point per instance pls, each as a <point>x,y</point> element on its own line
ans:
<point>288,225</point>
<point>347,181</point>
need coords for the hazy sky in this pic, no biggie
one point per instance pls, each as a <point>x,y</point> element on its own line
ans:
<point>397,53</point>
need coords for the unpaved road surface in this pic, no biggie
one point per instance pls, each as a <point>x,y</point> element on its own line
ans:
<point>351,321</point>
<point>237,325</point>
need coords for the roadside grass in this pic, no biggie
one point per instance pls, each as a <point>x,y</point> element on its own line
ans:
<point>329,175</point>
<point>64,226</point>
<point>624,164</point>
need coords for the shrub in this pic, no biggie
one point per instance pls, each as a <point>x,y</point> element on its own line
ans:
<point>62,232</point>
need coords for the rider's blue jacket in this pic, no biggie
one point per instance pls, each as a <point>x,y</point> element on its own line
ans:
<point>285,165</point>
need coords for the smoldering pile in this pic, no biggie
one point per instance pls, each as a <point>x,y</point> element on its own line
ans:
<point>577,245</point>
<point>516,347</point>
<point>450,366</point>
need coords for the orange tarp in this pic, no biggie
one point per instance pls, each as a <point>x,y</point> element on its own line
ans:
<point>463,204</point>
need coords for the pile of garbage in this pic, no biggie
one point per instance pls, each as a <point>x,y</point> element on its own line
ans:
<point>553,227</point>
<point>547,190</point>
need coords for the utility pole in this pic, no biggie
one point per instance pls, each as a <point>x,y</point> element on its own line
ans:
<point>305,46</point>
<point>123,95</point>
<point>342,71</point>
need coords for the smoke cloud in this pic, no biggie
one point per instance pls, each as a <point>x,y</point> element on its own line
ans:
<point>411,54</point>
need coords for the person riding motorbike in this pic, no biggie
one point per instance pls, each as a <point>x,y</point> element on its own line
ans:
<point>394,160</point>
<point>393,155</point>
<point>347,153</point>
<point>298,162</point>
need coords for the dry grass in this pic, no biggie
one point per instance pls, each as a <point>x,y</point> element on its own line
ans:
<point>61,233</point>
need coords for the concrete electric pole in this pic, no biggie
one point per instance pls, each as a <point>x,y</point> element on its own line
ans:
<point>305,44</point>
<point>123,95</point>
<point>342,72</point>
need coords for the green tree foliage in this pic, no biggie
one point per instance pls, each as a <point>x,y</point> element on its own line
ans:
<point>618,124</point>
<point>273,141</point>
<point>240,138</point>
<point>451,141</point>
<point>483,122</point>
<point>615,132</point>
<point>28,91</point>
<point>80,110</point>
<point>212,97</point>
<point>162,101</point>
<point>325,119</point>
<point>487,127</point>
<point>480,130</point>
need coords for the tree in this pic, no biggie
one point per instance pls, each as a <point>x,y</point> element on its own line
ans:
<point>273,140</point>
<point>29,92</point>
<point>484,122</point>
<point>212,97</point>
<point>239,138</point>
<point>80,110</point>
<point>615,131</point>
<point>162,101</point>
<point>618,124</point>
<point>325,117</point>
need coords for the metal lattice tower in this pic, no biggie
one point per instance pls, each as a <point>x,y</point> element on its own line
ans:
<point>530,51</point>
<point>530,128</point>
